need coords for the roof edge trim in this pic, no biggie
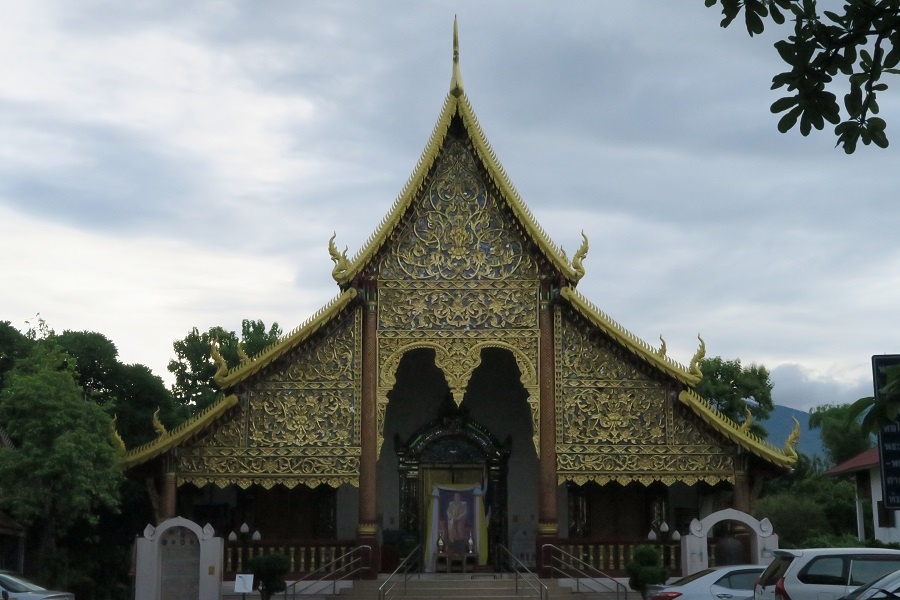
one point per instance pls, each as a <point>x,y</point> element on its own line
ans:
<point>288,342</point>
<point>749,441</point>
<point>170,439</point>
<point>632,342</point>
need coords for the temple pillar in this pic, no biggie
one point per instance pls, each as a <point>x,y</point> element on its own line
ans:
<point>741,496</point>
<point>548,519</point>
<point>168,493</point>
<point>367,529</point>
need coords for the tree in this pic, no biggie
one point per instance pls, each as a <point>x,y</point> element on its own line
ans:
<point>814,505</point>
<point>859,44</point>
<point>842,436</point>
<point>13,346</point>
<point>96,362</point>
<point>878,412</point>
<point>194,368</point>
<point>62,468</point>
<point>734,389</point>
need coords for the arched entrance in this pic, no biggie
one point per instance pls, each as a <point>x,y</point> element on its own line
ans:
<point>428,439</point>
<point>453,452</point>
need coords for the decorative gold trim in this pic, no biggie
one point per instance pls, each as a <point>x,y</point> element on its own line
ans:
<point>459,105</point>
<point>548,528</point>
<point>168,440</point>
<point>367,529</point>
<point>747,440</point>
<point>290,341</point>
<point>627,339</point>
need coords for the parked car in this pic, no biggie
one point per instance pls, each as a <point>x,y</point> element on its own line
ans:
<point>734,582</point>
<point>823,573</point>
<point>15,587</point>
<point>884,587</point>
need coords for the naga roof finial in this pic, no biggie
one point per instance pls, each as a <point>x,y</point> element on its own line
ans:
<point>341,264</point>
<point>579,256</point>
<point>157,425</point>
<point>222,370</point>
<point>116,439</point>
<point>456,83</point>
<point>662,347</point>
<point>698,356</point>
<point>790,445</point>
<point>745,426</point>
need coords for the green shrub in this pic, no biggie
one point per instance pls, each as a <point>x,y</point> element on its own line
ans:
<point>268,573</point>
<point>645,569</point>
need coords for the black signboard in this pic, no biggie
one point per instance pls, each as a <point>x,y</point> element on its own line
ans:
<point>889,438</point>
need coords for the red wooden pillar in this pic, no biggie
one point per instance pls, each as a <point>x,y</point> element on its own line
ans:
<point>548,520</point>
<point>367,529</point>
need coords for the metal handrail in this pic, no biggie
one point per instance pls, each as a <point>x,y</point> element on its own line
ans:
<point>555,560</point>
<point>522,572</point>
<point>361,560</point>
<point>406,567</point>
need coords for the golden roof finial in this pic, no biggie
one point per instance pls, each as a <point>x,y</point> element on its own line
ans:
<point>456,84</point>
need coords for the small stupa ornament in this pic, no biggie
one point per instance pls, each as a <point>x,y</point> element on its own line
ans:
<point>471,543</point>
<point>440,542</point>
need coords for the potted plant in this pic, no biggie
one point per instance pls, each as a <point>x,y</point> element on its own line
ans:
<point>645,569</point>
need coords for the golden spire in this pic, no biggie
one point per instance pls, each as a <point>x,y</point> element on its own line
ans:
<point>456,84</point>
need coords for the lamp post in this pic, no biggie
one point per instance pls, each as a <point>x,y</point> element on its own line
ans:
<point>245,538</point>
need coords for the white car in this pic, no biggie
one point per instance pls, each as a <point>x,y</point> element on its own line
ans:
<point>823,573</point>
<point>733,582</point>
<point>14,587</point>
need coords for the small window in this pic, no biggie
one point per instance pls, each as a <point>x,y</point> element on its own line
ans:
<point>869,568</point>
<point>826,570</point>
<point>739,580</point>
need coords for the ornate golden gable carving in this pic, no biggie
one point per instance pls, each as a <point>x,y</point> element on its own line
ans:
<point>300,423</point>
<point>457,230</point>
<point>614,422</point>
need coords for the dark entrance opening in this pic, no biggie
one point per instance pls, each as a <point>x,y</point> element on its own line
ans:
<point>453,450</point>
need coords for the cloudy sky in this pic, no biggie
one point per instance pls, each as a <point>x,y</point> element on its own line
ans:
<point>166,165</point>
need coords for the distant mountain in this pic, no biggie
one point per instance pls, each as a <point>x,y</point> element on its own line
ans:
<point>780,424</point>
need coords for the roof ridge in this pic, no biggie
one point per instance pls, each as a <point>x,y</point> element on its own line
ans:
<point>724,424</point>
<point>678,369</point>
<point>299,333</point>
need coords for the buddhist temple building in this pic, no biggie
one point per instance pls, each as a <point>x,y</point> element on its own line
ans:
<point>458,392</point>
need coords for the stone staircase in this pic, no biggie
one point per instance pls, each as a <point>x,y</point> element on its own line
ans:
<point>449,587</point>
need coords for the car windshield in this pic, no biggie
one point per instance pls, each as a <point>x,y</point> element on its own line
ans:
<point>11,583</point>
<point>690,578</point>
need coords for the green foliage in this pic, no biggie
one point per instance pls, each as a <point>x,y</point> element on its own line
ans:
<point>814,505</point>
<point>269,571</point>
<point>877,413</point>
<point>62,469</point>
<point>842,435</point>
<point>645,569</point>
<point>194,368</point>
<point>13,346</point>
<point>733,389</point>
<point>858,46</point>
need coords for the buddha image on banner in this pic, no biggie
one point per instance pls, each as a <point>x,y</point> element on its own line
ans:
<point>458,511</point>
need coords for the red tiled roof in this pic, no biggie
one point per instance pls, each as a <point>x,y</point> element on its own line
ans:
<point>861,462</point>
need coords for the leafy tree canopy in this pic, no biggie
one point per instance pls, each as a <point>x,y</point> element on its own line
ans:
<point>842,436</point>
<point>734,389</point>
<point>193,365</point>
<point>62,468</point>
<point>883,410</point>
<point>859,45</point>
